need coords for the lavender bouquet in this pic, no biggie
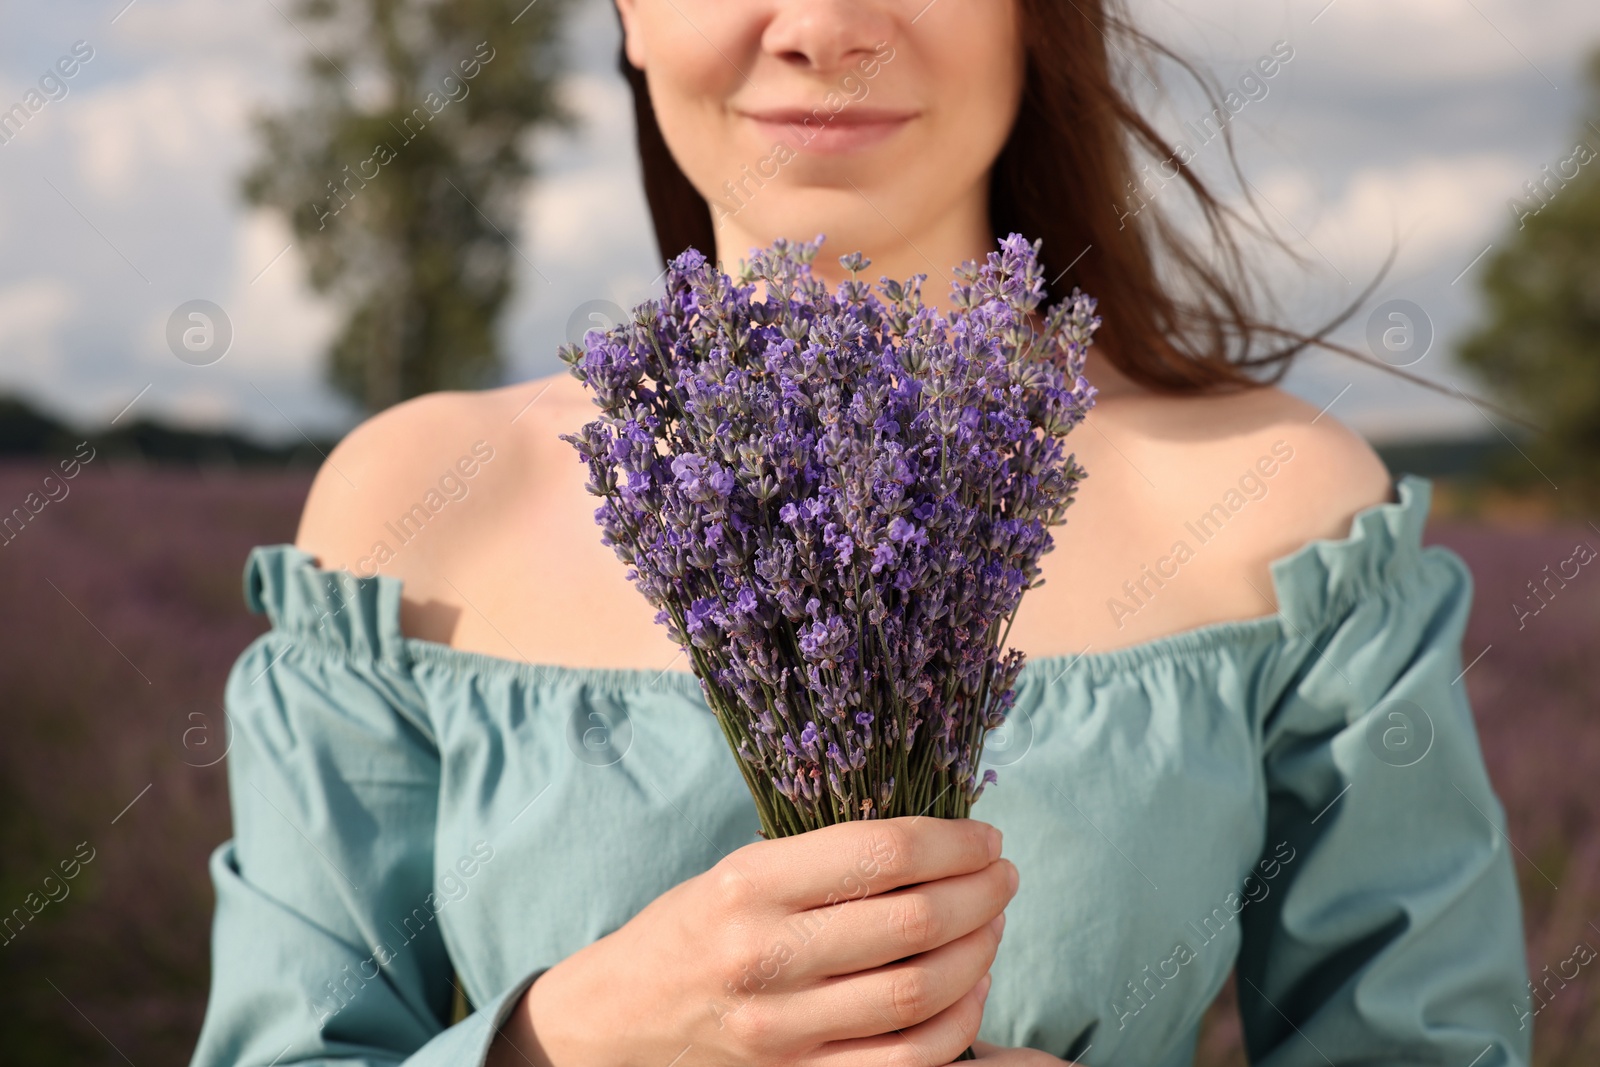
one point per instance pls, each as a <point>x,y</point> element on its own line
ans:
<point>837,500</point>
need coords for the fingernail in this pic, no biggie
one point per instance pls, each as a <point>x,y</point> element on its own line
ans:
<point>998,924</point>
<point>1014,876</point>
<point>983,986</point>
<point>994,844</point>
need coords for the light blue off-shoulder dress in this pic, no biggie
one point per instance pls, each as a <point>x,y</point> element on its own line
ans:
<point>1300,796</point>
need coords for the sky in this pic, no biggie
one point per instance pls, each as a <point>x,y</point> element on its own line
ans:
<point>1409,120</point>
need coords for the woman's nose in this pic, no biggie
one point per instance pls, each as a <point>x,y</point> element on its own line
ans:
<point>825,35</point>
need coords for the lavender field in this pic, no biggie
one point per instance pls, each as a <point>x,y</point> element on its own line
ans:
<point>121,613</point>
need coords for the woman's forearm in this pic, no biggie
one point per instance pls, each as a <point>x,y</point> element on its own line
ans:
<point>517,1043</point>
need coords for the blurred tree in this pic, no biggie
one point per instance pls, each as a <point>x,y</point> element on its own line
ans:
<point>1541,345</point>
<point>400,173</point>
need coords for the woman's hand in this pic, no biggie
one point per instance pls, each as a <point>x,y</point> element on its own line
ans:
<point>865,944</point>
<point>998,1056</point>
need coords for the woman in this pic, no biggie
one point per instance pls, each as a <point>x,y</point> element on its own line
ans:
<point>476,768</point>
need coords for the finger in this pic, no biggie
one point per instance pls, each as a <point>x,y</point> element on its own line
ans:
<point>849,861</point>
<point>937,1040</point>
<point>901,995</point>
<point>860,935</point>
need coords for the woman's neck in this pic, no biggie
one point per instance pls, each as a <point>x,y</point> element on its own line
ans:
<point>898,253</point>
<point>961,235</point>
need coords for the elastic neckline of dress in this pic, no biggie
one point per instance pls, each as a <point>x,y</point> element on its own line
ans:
<point>676,681</point>
<point>1410,490</point>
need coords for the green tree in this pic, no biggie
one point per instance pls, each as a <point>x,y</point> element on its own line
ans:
<point>400,172</point>
<point>1540,347</point>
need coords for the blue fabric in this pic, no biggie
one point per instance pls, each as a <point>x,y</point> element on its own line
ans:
<point>1301,794</point>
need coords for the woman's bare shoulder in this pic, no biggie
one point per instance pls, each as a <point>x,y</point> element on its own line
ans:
<point>1223,484</point>
<point>1189,446</point>
<point>475,504</point>
<point>423,465</point>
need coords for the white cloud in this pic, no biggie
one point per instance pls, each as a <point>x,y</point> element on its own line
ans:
<point>31,316</point>
<point>1438,208</point>
<point>601,103</point>
<point>589,202</point>
<point>196,29</point>
<point>173,119</point>
<point>1457,40</point>
<point>211,405</point>
<point>280,327</point>
<point>577,217</point>
<point>1384,42</point>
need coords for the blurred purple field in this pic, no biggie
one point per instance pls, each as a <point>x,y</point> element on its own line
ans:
<point>122,613</point>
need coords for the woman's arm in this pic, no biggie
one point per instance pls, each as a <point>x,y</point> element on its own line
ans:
<point>326,944</point>
<point>1394,933</point>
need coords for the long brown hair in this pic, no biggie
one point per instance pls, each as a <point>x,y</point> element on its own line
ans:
<point>1064,175</point>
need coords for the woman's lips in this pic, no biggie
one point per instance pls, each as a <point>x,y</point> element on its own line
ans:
<point>819,130</point>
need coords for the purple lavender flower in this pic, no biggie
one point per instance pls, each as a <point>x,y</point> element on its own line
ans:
<point>836,501</point>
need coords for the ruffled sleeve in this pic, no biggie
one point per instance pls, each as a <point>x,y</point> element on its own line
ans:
<point>326,947</point>
<point>1393,932</point>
